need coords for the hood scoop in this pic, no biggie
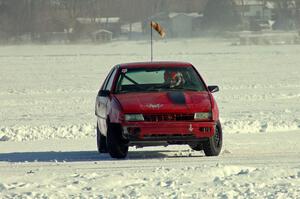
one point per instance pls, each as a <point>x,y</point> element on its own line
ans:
<point>176,97</point>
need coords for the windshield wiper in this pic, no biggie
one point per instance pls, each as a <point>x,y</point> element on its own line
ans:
<point>183,89</point>
<point>190,89</point>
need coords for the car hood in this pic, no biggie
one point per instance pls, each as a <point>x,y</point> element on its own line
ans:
<point>165,102</point>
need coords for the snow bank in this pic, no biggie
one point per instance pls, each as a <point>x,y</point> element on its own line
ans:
<point>77,131</point>
<point>30,133</point>
<point>257,126</point>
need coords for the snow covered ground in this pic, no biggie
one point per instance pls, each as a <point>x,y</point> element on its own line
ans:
<point>250,166</point>
<point>47,145</point>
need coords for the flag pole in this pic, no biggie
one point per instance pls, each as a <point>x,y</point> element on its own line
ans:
<point>151,41</point>
<point>160,30</point>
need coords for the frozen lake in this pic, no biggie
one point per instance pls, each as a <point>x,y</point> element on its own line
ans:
<point>47,124</point>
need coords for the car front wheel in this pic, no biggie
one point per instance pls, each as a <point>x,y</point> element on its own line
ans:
<point>116,145</point>
<point>101,142</point>
<point>214,144</point>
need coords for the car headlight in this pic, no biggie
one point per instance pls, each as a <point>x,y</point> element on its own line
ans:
<point>202,115</point>
<point>134,117</point>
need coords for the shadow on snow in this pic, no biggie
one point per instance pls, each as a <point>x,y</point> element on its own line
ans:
<point>81,156</point>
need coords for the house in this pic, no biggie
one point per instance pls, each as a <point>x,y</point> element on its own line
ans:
<point>86,25</point>
<point>102,36</point>
<point>108,23</point>
<point>255,8</point>
<point>256,14</point>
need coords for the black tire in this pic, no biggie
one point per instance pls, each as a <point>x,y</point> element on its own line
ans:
<point>116,145</point>
<point>196,146</point>
<point>101,142</point>
<point>214,144</point>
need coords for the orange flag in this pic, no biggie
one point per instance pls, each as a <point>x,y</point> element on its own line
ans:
<point>158,28</point>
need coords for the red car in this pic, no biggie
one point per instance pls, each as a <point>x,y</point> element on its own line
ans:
<point>156,103</point>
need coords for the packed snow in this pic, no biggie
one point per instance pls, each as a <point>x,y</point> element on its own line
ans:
<point>47,124</point>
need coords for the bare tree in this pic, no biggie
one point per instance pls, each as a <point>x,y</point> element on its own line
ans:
<point>286,14</point>
<point>221,15</point>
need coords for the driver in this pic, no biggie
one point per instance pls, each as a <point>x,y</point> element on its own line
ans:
<point>174,78</point>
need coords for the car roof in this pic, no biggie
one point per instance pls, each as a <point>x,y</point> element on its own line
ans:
<point>155,64</point>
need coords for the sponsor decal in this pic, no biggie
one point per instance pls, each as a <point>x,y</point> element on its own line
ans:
<point>154,106</point>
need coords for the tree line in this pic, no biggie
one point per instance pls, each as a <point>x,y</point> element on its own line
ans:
<point>31,17</point>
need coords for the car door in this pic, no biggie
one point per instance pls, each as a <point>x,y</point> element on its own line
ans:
<point>103,101</point>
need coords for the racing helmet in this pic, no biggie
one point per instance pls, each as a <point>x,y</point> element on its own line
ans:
<point>174,78</point>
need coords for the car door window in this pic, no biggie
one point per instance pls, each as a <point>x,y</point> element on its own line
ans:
<point>106,79</point>
<point>111,80</point>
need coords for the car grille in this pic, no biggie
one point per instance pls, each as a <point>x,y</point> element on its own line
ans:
<point>168,117</point>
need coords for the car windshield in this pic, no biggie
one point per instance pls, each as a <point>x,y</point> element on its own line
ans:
<point>158,79</point>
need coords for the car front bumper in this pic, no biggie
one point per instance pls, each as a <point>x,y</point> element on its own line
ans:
<point>168,131</point>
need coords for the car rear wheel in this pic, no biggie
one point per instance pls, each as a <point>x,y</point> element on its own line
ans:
<point>214,145</point>
<point>116,144</point>
<point>101,142</point>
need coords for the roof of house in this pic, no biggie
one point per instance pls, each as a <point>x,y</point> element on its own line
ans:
<point>87,20</point>
<point>249,2</point>
<point>102,31</point>
<point>267,4</point>
<point>192,14</point>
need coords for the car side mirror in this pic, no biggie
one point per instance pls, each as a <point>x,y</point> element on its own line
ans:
<point>103,93</point>
<point>213,89</point>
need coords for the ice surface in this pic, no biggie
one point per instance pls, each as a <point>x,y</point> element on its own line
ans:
<point>49,91</point>
<point>47,124</point>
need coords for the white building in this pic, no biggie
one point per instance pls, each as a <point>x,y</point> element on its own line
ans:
<point>258,9</point>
